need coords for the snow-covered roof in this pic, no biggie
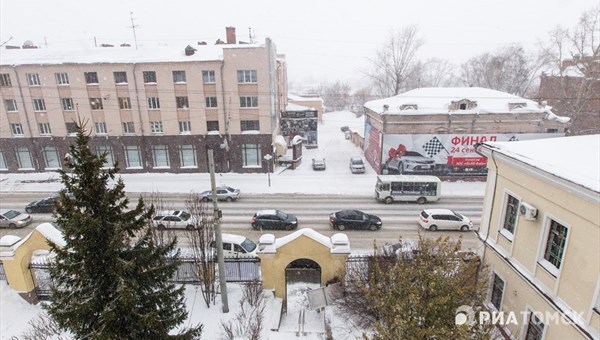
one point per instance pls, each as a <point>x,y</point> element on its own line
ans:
<point>337,244</point>
<point>51,233</point>
<point>296,107</point>
<point>437,100</point>
<point>575,159</point>
<point>112,55</point>
<point>303,98</point>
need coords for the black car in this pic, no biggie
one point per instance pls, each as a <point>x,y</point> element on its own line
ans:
<point>274,219</point>
<point>354,219</point>
<point>45,205</point>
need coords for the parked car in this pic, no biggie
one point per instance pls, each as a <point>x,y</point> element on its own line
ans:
<point>177,219</point>
<point>318,163</point>
<point>357,166</point>
<point>434,219</point>
<point>345,128</point>
<point>14,219</point>
<point>354,219</point>
<point>236,245</point>
<point>411,162</point>
<point>223,194</point>
<point>45,205</point>
<point>274,219</point>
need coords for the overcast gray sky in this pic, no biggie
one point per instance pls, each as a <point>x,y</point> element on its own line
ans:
<point>324,40</point>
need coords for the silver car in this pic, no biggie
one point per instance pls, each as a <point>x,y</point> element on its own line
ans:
<point>411,162</point>
<point>14,219</point>
<point>223,194</point>
<point>357,166</point>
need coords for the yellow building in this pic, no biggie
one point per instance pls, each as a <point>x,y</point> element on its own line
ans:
<point>541,231</point>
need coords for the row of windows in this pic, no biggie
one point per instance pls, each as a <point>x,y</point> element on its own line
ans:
<point>120,77</point>
<point>156,127</point>
<point>251,156</point>
<point>39,105</point>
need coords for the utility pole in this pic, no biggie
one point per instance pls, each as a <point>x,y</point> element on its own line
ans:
<point>218,236</point>
<point>133,26</point>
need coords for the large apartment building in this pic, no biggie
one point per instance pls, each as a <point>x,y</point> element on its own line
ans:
<point>151,109</point>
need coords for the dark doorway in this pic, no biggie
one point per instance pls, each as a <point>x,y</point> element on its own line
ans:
<point>301,276</point>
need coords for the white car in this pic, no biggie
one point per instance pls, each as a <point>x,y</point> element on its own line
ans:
<point>411,162</point>
<point>177,219</point>
<point>14,219</point>
<point>236,245</point>
<point>357,166</point>
<point>434,219</point>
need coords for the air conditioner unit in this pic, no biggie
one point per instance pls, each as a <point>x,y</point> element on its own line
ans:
<point>528,211</point>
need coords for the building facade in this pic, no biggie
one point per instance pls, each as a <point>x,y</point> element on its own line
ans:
<point>541,233</point>
<point>150,110</point>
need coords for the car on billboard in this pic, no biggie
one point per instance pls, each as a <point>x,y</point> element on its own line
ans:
<point>411,162</point>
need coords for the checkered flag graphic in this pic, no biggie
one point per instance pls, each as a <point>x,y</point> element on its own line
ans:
<point>433,147</point>
<point>513,138</point>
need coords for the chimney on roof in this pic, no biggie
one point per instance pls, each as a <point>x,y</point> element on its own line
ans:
<point>231,39</point>
<point>189,50</point>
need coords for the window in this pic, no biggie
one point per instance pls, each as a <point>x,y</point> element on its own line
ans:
<point>211,101</point>
<point>179,77</point>
<point>187,156</point>
<point>510,215</point>
<point>33,79</point>
<point>124,103</point>
<point>39,105</point>
<point>96,103</point>
<point>16,129</point>
<point>160,156</point>
<point>120,77</point>
<point>67,104</point>
<point>185,127</point>
<point>555,243</point>
<point>248,101</point>
<point>535,328</point>
<point>208,77</point>
<point>497,291</point>
<point>71,128</point>
<point>107,150</point>
<point>10,105</point>
<point>156,127</point>
<point>61,78</point>
<point>51,157</point>
<point>2,161</point>
<point>550,130</point>
<point>212,125</point>
<point>246,76</point>
<point>153,103</point>
<point>5,80</point>
<point>250,125</point>
<point>91,77</point>
<point>251,155</point>
<point>44,129</point>
<point>100,128</point>
<point>24,160</point>
<point>182,102</point>
<point>133,156</point>
<point>128,128</point>
<point>149,77</point>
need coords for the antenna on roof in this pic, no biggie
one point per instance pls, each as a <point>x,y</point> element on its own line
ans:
<point>4,43</point>
<point>133,26</point>
<point>250,35</point>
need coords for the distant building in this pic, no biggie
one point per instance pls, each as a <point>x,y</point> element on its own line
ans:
<point>152,110</point>
<point>311,101</point>
<point>541,231</point>
<point>436,130</point>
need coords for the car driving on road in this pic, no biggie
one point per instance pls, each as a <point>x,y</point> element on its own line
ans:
<point>14,219</point>
<point>274,219</point>
<point>45,205</point>
<point>354,219</point>
<point>177,219</point>
<point>434,219</point>
<point>223,194</point>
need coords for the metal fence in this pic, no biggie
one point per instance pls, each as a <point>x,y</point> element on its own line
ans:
<point>2,273</point>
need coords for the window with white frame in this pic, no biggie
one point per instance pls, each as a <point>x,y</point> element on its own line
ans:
<point>133,156</point>
<point>556,242</point>
<point>108,152</point>
<point>16,129</point>
<point>187,156</point>
<point>96,104</point>
<point>535,328</point>
<point>2,161</point>
<point>71,128</point>
<point>246,76</point>
<point>156,127</point>
<point>149,77</point>
<point>185,127</point>
<point>62,78</point>
<point>45,129</point>
<point>211,101</point>
<point>497,291</point>
<point>100,128</point>
<point>212,125</point>
<point>128,128</point>
<point>208,77</point>
<point>124,103</point>
<point>178,77</point>
<point>510,214</point>
<point>250,125</point>
<point>33,79</point>
<point>251,155</point>
<point>248,101</point>
<point>24,160</point>
<point>153,103</point>
<point>120,77</point>
<point>67,104</point>
<point>51,157</point>
<point>39,105</point>
<point>10,105</point>
<point>5,80</point>
<point>91,77</point>
<point>182,102</point>
<point>160,156</point>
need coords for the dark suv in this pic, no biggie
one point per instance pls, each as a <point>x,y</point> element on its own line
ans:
<point>274,219</point>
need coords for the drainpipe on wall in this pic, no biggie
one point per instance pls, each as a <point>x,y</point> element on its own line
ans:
<point>225,116</point>
<point>139,110</point>
<point>33,144</point>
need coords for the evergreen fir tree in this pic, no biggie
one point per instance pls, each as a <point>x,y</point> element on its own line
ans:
<point>111,281</point>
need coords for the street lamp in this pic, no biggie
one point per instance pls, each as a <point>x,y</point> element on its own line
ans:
<point>268,158</point>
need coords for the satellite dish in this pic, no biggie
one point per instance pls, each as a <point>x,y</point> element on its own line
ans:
<point>28,43</point>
